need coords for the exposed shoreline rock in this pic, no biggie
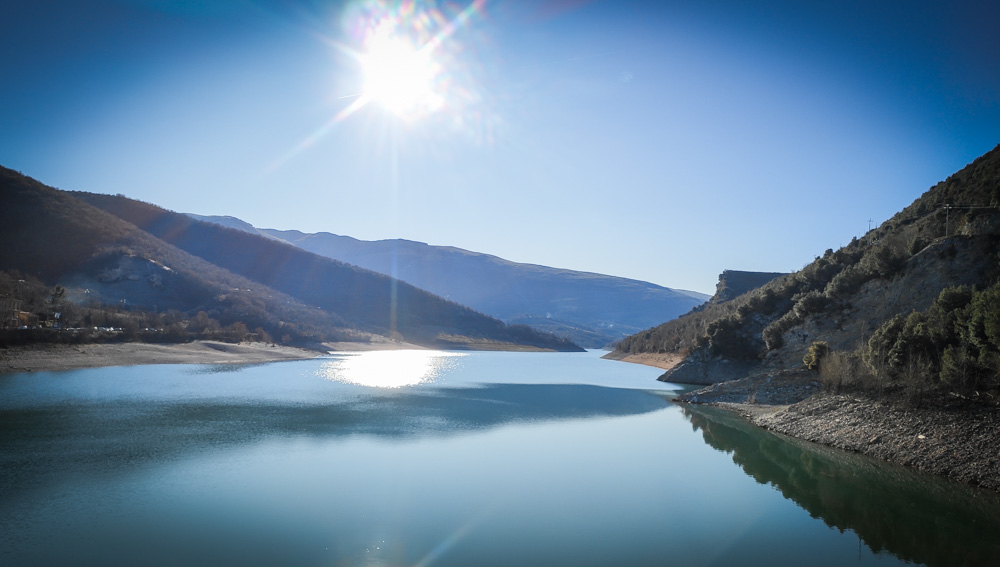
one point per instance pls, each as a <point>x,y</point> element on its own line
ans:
<point>701,369</point>
<point>960,444</point>
<point>52,357</point>
<point>781,388</point>
<point>663,361</point>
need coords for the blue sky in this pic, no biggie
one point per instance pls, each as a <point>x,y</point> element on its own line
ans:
<point>662,141</point>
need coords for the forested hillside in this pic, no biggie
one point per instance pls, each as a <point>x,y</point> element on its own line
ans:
<point>912,308</point>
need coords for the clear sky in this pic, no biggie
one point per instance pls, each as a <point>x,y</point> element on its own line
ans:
<point>663,141</point>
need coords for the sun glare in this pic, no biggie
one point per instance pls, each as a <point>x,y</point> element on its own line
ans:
<point>387,369</point>
<point>411,62</point>
<point>400,77</point>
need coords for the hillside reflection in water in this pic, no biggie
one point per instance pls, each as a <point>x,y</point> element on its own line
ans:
<point>914,516</point>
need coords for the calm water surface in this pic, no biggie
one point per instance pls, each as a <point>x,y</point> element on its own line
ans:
<point>432,458</point>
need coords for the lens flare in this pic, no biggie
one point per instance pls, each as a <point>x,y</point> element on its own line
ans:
<point>400,77</point>
<point>411,63</point>
<point>406,55</point>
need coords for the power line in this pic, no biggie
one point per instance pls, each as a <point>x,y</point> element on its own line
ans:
<point>947,213</point>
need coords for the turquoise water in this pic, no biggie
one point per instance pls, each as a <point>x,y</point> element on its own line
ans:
<point>442,459</point>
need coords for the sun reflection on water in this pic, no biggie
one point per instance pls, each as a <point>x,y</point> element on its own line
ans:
<point>388,368</point>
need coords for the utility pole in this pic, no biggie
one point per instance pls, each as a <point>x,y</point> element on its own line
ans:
<point>947,213</point>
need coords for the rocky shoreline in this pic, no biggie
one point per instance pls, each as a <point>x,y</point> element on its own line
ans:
<point>960,444</point>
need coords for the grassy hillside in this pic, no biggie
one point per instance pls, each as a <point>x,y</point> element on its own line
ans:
<point>911,307</point>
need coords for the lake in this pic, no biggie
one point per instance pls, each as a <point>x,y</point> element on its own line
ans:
<point>435,458</point>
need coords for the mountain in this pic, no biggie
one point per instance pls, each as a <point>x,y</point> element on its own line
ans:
<point>113,271</point>
<point>138,255</point>
<point>912,309</point>
<point>590,309</point>
<point>734,283</point>
<point>231,222</point>
<point>570,302</point>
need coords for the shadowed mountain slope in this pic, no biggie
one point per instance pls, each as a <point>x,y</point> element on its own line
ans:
<point>367,300</point>
<point>53,236</point>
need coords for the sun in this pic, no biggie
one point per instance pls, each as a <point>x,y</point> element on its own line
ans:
<point>400,76</point>
<point>405,58</point>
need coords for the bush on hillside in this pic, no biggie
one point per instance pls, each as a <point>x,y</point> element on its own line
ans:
<point>885,259</point>
<point>849,280</point>
<point>841,371</point>
<point>726,339</point>
<point>811,303</point>
<point>773,333</point>
<point>953,346</point>
<point>815,356</point>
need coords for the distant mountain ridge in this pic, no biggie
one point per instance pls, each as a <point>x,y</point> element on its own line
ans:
<point>144,257</point>
<point>590,309</point>
<point>231,222</point>
<point>387,305</point>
